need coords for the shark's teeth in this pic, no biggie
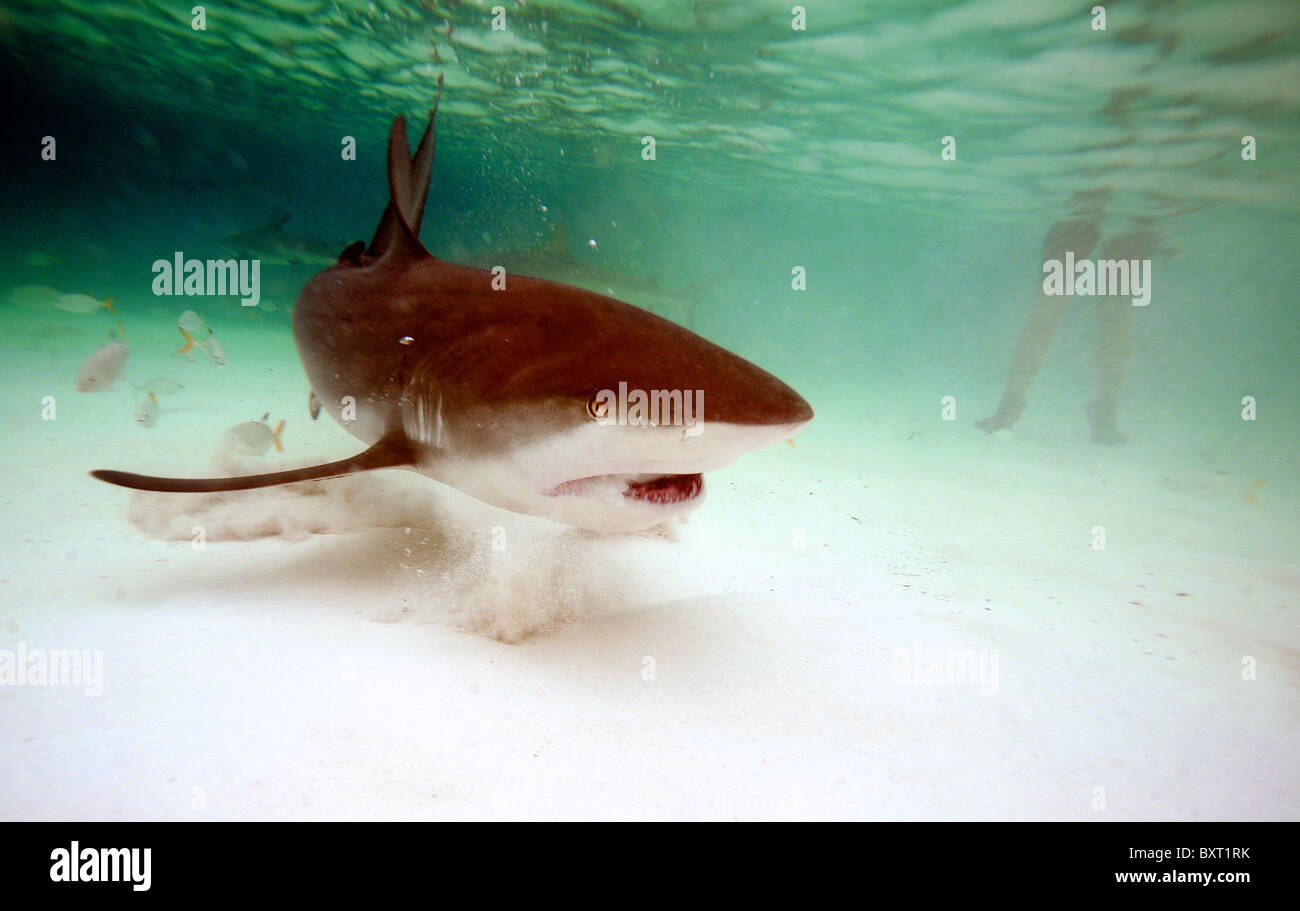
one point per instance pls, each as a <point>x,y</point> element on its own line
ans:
<point>568,488</point>
<point>663,489</point>
<point>671,488</point>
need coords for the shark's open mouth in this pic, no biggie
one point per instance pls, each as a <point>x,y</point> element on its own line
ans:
<point>669,488</point>
<point>664,489</point>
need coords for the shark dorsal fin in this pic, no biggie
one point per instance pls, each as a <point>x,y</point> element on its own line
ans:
<point>398,234</point>
<point>422,168</point>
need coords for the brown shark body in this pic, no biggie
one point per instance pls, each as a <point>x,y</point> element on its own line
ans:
<point>503,386</point>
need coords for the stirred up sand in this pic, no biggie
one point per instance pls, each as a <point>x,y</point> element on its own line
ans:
<point>361,649</point>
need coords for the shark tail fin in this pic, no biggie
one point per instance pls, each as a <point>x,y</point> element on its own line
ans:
<point>275,436</point>
<point>392,451</point>
<point>189,342</point>
<point>398,234</point>
<point>108,304</point>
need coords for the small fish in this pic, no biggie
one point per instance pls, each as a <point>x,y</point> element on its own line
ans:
<point>103,369</point>
<point>39,260</point>
<point>82,303</point>
<point>192,323</point>
<point>147,414</point>
<point>33,297</point>
<point>211,347</point>
<point>313,405</point>
<point>214,350</point>
<point>255,437</point>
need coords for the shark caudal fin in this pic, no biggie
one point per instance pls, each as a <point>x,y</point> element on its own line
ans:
<point>393,451</point>
<point>398,234</point>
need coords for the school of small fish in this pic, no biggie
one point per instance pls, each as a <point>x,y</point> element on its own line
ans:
<point>105,367</point>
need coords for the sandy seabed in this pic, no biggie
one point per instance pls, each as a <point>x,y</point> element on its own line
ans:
<point>358,649</point>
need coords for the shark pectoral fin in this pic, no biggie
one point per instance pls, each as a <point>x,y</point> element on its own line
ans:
<point>393,451</point>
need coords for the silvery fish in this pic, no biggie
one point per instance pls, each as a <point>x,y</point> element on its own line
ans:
<point>103,369</point>
<point>147,414</point>
<point>82,303</point>
<point>255,437</point>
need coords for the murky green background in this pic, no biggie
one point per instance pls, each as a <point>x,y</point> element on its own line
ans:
<point>1142,597</point>
<point>775,148</point>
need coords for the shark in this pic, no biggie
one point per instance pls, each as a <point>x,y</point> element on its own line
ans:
<point>553,260</point>
<point>499,385</point>
<point>273,245</point>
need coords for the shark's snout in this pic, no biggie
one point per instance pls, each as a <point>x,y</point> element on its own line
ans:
<point>791,409</point>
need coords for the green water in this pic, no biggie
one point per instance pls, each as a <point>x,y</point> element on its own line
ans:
<point>299,664</point>
<point>775,147</point>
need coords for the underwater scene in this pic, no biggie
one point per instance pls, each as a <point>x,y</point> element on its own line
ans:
<point>650,409</point>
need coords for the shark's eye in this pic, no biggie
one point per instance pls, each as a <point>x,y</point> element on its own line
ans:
<point>597,407</point>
